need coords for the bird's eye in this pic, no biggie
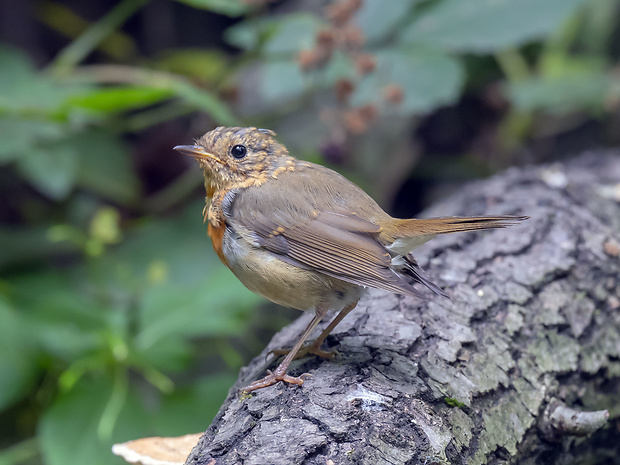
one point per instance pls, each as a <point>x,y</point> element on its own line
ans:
<point>238,151</point>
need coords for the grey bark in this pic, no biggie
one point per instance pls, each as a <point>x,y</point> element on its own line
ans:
<point>500,373</point>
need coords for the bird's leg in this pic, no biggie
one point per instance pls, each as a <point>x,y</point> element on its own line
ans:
<point>314,348</point>
<point>279,374</point>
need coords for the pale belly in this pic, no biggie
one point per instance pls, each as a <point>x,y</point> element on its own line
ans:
<point>283,283</point>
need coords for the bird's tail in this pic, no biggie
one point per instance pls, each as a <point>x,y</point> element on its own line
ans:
<point>405,235</point>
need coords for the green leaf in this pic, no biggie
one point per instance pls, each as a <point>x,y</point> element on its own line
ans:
<point>208,66</point>
<point>294,32</point>
<point>561,94</point>
<point>69,430</point>
<point>105,166</point>
<point>91,159</point>
<point>178,246</point>
<point>18,364</point>
<point>558,64</point>
<point>247,35</point>
<point>117,99</point>
<point>484,26</point>
<point>219,305</point>
<point>282,35</point>
<point>565,84</point>
<point>24,245</point>
<point>378,18</point>
<point>340,66</point>
<point>181,284</point>
<point>65,341</point>
<point>63,319</point>
<point>184,289</point>
<point>105,226</point>
<point>428,80</point>
<point>170,354</point>
<point>281,81</point>
<point>19,136</point>
<point>16,64</point>
<point>193,407</point>
<point>226,7</point>
<point>51,170</point>
<point>56,296</point>
<point>24,90</point>
<point>204,100</point>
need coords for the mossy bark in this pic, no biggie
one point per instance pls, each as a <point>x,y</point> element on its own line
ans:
<point>533,324</point>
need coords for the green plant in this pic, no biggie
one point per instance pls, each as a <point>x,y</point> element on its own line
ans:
<point>372,70</point>
<point>100,299</point>
<point>421,48</point>
<point>108,295</point>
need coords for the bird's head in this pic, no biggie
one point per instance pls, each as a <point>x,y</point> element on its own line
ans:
<point>238,157</point>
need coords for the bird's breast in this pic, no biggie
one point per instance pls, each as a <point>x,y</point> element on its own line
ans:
<point>262,272</point>
<point>217,233</point>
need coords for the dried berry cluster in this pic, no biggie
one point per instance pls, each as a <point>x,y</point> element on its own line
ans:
<point>344,35</point>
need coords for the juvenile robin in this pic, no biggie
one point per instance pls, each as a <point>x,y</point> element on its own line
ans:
<point>303,236</point>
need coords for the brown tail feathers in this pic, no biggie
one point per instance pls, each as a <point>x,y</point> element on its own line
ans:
<point>414,232</point>
<point>423,227</point>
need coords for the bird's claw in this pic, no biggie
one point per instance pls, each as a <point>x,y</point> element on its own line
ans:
<point>273,378</point>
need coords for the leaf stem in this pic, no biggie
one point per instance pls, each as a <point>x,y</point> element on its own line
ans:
<point>196,97</point>
<point>513,65</point>
<point>115,404</point>
<point>21,452</point>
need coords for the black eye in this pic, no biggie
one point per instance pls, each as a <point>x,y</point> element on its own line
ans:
<point>238,151</point>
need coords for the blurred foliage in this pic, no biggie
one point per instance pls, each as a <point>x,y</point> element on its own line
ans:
<point>109,294</point>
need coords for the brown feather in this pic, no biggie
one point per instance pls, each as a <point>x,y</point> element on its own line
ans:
<point>414,227</point>
<point>345,234</point>
<point>311,217</point>
<point>352,256</point>
<point>334,242</point>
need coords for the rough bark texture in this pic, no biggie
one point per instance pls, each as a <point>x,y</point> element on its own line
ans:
<point>533,324</point>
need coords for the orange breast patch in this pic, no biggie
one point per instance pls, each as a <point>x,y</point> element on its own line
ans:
<point>216,233</point>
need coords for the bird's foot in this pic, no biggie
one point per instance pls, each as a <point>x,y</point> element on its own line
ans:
<point>273,378</point>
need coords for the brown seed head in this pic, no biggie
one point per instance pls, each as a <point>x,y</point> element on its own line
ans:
<point>365,63</point>
<point>357,120</point>
<point>307,59</point>
<point>313,59</point>
<point>354,122</point>
<point>393,93</point>
<point>344,88</point>
<point>326,38</point>
<point>352,37</point>
<point>368,112</point>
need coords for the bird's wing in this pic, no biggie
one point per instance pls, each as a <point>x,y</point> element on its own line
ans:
<point>323,236</point>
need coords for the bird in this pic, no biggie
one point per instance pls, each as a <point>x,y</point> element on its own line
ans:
<point>304,236</point>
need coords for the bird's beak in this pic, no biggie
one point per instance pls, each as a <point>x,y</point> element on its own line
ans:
<point>197,151</point>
